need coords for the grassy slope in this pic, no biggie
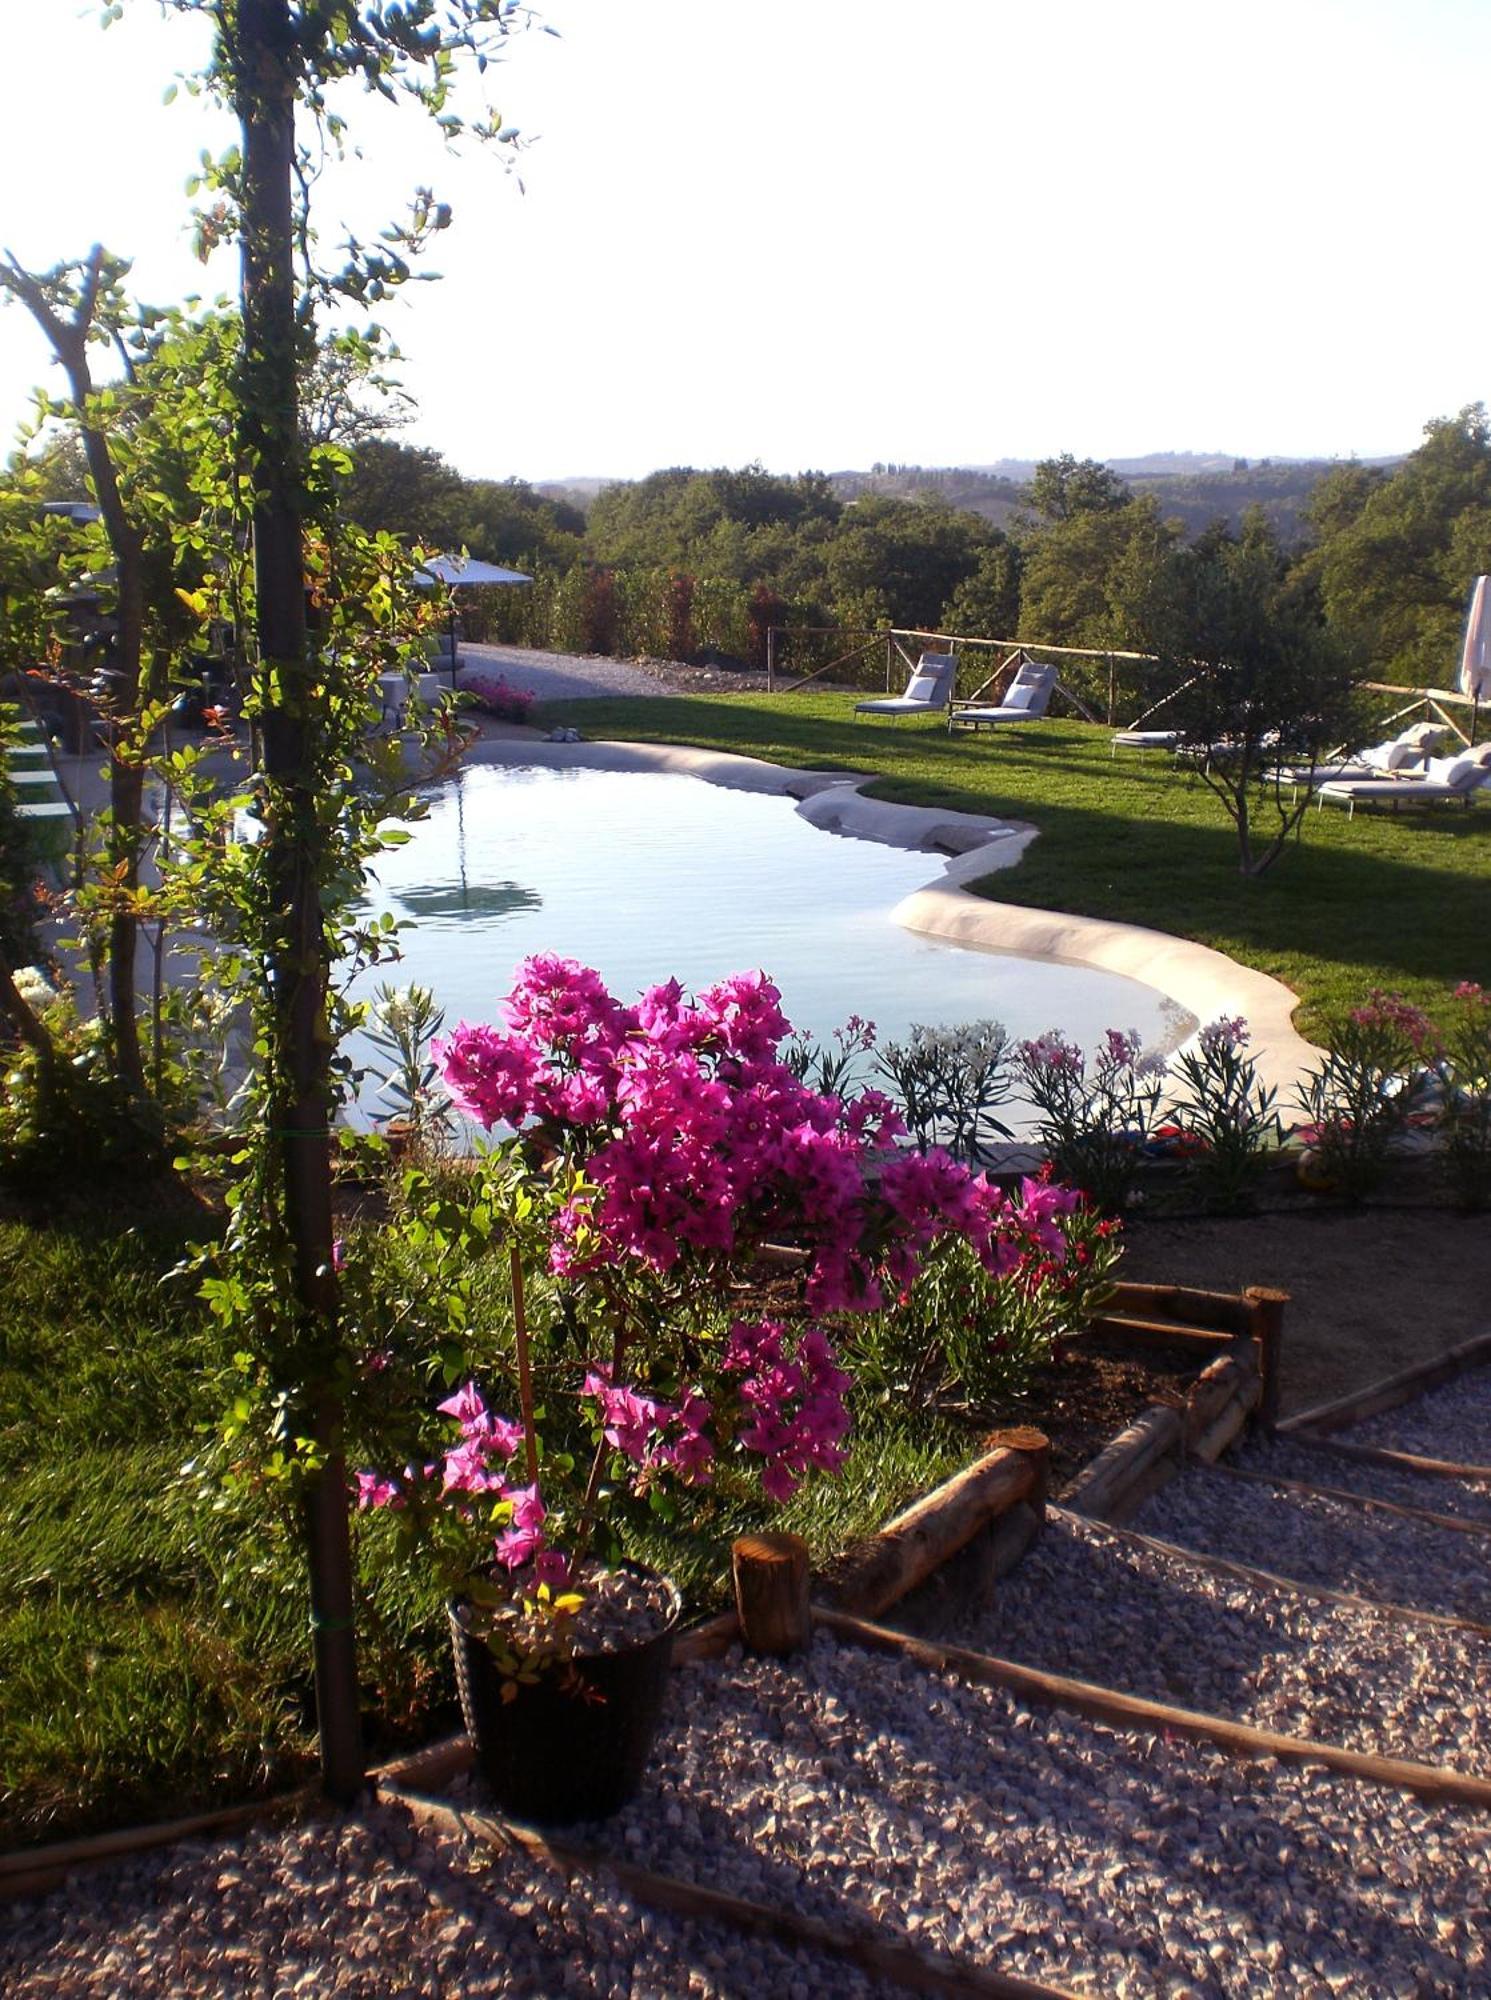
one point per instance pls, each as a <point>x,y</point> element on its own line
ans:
<point>153,1656</point>
<point>1394,900</point>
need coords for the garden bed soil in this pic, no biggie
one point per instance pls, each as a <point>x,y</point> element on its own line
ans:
<point>1371,1291</point>
<point>1090,1391</point>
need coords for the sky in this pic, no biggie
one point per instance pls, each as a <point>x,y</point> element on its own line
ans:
<point>824,233</point>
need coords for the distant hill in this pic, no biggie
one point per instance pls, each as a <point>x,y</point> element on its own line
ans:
<point>1195,488</point>
<point>1192,487</point>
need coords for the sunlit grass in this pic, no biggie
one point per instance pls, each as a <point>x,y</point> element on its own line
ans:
<point>1392,900</point>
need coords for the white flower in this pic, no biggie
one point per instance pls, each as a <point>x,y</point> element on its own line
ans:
<point>34,987</point>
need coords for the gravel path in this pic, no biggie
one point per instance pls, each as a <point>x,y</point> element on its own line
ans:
<point>1052,1846</point>
<point>1084,1601</point>
<point>1292,1460</point>
<point>867,1792</point>
<point>363,1906</point>
<point>1452,1422</point>
<point>1313,1540</point>
<point>590,676</point>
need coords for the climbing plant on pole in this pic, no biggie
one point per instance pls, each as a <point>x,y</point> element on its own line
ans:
<point>271,62</point>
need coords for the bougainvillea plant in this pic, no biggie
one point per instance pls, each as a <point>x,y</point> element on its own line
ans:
<point>495,695</point>
<point>642,1158</point>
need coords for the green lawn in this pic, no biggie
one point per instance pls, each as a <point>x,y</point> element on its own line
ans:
<point>1393,900</point>
<point>154,1656</point>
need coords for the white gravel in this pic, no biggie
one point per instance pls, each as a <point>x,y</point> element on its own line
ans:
<point>569,676</point>
<point>1054,1847</point>
<point>1085,1601</point>
<point>366,1907</point>
<point>1452,1422</point>
<point>1386,1557</point>
<point>1462,1499</point>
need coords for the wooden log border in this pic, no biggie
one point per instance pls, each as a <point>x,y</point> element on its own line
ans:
<point>34,1871</point>
<point>1130,1711</point>
<point>1394,1460</point>
<point>1391,1390</point>
<point>1107,1488</point>
<point>907,1550</point>
<point>1401,1614</point>
<point>917,1969</point>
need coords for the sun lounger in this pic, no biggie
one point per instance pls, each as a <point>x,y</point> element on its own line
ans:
<point>1025,700</point>
<point>1407,753</point>
<point>928,691</point>
<point>1144,739</point>
<point>1444,781</point>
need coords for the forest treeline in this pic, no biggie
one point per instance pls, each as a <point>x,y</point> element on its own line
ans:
<point>688,563</point>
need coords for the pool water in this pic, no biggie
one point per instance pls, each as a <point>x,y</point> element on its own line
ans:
<point>647,876</point>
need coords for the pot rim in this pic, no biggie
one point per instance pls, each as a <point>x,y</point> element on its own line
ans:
<point>458,1609</point>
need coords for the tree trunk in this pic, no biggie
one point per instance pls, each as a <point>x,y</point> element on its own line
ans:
<point>69,341</point>
<point>265,59</point>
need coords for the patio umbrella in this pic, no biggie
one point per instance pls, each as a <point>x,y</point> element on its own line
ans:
<point>456,572</point>
<point>1475,655</point>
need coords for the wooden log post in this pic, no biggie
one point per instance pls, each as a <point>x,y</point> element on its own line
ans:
<point>1267,1307</point>
<point>1210,1393</point>
<point>771,1592</point>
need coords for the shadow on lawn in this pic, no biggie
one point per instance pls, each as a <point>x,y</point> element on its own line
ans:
<point>1134,840</point>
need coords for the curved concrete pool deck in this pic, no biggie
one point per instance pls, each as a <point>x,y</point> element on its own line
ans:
<point>1206,983</point>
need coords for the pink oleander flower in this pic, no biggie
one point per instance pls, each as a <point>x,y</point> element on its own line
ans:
<point>1052,1051</point>
<point>1391,1011</point>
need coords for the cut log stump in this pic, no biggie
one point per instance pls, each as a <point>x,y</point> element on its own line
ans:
<point>771,1592</point>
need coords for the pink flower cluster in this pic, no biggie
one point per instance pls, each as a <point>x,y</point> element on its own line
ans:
<point>691,1142</point>
<point>793,1400</point>
<point>498,696</point>
<point>695,1140</point>
<point>694,1137</point>
<point>1052,1051</point>
<point>652,1433</point>
<point>1392,1013</point>
<point>1224,1036</point>
<point>472,1468</point>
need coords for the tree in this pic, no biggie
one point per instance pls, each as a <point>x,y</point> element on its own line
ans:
<point>137,449</point>
<point>1081,579</point>
<point>1396,556</point>
<point>271,60</point>
<point>407,490</point>
<point>1064,487</point>
<point>1259,681</point>
<point>909,556</point>
<point>986,605</point>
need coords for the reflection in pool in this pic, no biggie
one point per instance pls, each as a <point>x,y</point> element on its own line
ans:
<point>646,876</point>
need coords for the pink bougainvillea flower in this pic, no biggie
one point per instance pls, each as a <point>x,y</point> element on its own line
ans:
<point>373,1490</point>
<point>551,1566</point>
<point>466,1406</point>
<point>528,1508</point>
<point>516,1546</point>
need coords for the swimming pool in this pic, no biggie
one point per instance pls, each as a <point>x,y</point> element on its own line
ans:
<point>647,876</point>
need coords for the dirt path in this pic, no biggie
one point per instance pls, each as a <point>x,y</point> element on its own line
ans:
<point>1371,1292</point>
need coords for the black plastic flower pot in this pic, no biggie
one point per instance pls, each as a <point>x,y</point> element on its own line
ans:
<point>574,1744</point>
